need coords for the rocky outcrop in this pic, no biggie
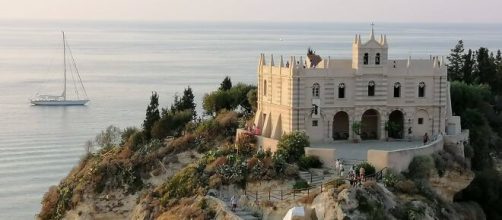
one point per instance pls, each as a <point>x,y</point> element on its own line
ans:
<point>451,183</point>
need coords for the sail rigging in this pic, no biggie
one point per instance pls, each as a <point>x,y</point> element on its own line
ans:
<point>68,68</point>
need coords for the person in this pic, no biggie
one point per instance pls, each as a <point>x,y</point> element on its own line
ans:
<point>337,166</point>
<point>426,138</point>
<point>342,170</point>
<point>361,174</point>
<point>287,64</point>
<point>233,201</point>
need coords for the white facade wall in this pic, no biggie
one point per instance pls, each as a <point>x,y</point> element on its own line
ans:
<point>285,103</point>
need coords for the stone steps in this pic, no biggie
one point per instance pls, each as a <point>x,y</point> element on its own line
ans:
<point>242,212</point>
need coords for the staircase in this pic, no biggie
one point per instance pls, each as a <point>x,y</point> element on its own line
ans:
<point>313,178</point>
<point>240,211</point>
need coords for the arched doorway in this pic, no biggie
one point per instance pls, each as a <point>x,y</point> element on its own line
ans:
<point>341,126</point>
<point>369,125</point>
<point>395,125</point>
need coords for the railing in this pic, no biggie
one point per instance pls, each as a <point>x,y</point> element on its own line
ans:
<point>280,195</point>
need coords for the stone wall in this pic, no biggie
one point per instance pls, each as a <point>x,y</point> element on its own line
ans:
<point>261,142</point>
<point>400,159</point>
<point>326,155</point>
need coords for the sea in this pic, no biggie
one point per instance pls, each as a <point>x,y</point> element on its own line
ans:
<point>121,63</point>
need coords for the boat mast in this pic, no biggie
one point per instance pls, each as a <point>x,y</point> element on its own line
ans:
<point>64,63</point>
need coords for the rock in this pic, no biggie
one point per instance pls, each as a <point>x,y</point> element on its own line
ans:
<point>451,183</point>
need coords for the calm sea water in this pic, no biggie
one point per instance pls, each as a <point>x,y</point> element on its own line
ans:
<point>121,63</point>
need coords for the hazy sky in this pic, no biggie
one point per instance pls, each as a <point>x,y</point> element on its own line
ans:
<point>257,10</point>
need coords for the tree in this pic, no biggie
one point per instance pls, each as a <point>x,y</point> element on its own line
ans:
<point>152,115</point>
<point>108,138</point>
<point>186,102</point>
<point>485,68</point>
<point>456,59</point>
<point>226,84</point>
<point>468,67</point>
<point>291,146</point>
<point>253,99</point>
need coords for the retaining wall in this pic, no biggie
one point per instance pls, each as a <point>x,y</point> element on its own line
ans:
<point>400,159</point>
<point>326,155</point>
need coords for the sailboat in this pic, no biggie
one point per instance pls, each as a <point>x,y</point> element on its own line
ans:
<point>64,99</point>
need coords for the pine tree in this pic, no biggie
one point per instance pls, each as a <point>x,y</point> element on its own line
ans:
<point>152,115</point>
<point>468,67</point>
<point>456,59</point>
<point>485,67</point>
<point>187,102</point>
<point>226,84</point>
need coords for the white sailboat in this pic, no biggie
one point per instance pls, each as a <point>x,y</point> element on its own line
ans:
<point>63,99</point>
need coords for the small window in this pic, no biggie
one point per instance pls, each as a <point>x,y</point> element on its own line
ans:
<point>341,90</point>
<point>397,90</point>
<point>315,90</point>
<point>371,88</point>
<point>315,123</point>
<point>366,58</point>
<point>420,121</point>
<point>265,87</point>
<point>377,59</point>
<point>421,89</point>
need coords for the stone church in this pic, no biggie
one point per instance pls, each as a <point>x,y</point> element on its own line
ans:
<point>326,97</point>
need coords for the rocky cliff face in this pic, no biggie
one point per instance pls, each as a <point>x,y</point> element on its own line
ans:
<point>451,183</point>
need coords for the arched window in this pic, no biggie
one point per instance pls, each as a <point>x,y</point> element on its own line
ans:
<point>377,59</point>
<point>397,90</point>
<point>341,90</point>
<point>365,59</point>
<point>315,90</point>
<point>421,89</point>
<point>371,88</point>
<point>265,87</point>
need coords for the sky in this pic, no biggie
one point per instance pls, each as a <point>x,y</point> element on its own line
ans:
<point>429,11</point>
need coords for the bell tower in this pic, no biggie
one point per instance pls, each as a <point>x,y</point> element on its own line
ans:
<point>370,55</point>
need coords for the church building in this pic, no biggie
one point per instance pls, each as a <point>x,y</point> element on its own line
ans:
<point>327,97</point>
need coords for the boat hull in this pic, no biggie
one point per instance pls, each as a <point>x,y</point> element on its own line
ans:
<point>58,102</point>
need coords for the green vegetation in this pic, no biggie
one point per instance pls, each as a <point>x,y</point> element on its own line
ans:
<point>226,84</point>
<point>421,167</point>
<point>477,97</point>
<point>301,184</point>
<point>230,97</point>
<point>307,162</point>
<point>152,115</point>
<point>368,168</point>
<point>291,146</point>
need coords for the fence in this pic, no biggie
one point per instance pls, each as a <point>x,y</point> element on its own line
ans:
<point>280,195</point>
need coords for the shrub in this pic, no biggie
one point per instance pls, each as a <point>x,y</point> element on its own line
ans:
<point>301,184</point>
<point>406,186</point>
<point>368,169</point>
<point>127,133</point>
<point>246,144</point>
<point>183,184</point>
<point>291,146</point>
<point>307,162</point>
<point>109,138</point>
<point>390,178</point>
<point>421,167</point>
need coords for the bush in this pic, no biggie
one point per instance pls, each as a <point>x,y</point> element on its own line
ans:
<point>301,184</point>
<point>368,169</point>
<point>406,186</point>
<point>421,167</point>
<point>246,144</point>
<point>307,162</point>
<point>390,178</point>
<point>183,184</point>
<point>291,146</point>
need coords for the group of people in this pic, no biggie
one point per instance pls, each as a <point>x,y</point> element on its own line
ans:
<point>352,175</point>
<point>255,130</point>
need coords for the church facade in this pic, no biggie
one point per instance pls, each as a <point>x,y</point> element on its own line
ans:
<point>381,97</point>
